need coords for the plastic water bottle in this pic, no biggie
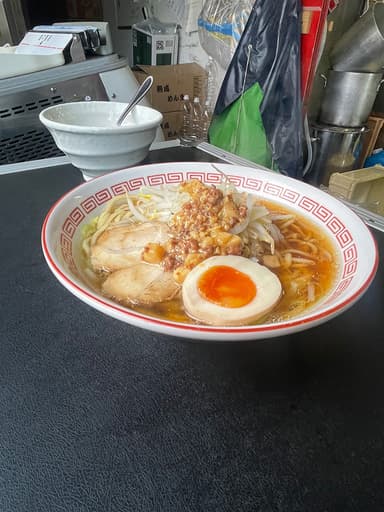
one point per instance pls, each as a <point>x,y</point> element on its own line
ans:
<point>186,128</point>
<point>206,120</point>
<point>211,88</point>
<point>197,115</point>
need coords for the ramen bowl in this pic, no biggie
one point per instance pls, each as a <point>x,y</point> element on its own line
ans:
<point>87,132</point>
<point>354,246</point>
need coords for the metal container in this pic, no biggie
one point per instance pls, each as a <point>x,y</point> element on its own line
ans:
<point>361,48</point>
<point>349,97</point>
<point>335,149</point>
<point>22,136</point>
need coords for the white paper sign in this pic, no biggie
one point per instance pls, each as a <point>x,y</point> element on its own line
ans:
<point>42,43</point>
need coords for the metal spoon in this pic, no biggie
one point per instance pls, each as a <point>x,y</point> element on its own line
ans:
<point>138,96</point>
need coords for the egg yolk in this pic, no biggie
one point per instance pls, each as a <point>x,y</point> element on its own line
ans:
<point>226,287</point>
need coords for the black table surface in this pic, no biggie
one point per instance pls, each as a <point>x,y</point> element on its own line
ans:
<point>96,415</point>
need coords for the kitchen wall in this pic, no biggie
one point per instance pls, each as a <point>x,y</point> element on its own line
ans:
<point>85,10</point>
<point>39,12</point>
<point>122,14</point>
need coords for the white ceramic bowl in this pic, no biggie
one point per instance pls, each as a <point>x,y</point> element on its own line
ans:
<point>357,252</point>
<point>86,131</point>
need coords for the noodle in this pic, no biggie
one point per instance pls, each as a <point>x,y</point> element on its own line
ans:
<point>204,221</point>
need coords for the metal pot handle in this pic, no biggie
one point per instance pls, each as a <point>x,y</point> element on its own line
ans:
<point>366,7</point>
<point>325,79</point>
<point>379,85</point>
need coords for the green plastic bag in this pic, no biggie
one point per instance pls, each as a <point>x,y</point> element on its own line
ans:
<point>239,129</point>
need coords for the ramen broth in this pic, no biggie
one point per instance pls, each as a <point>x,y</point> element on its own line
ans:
<point>293,302</point>
<point>300,237</point>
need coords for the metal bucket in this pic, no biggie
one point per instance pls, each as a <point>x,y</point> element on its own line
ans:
<point>361,48</point>
<point>349,97</point>
<point>335,149</point>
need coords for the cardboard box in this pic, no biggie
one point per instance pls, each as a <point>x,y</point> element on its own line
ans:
<point>171,125</point>
<point>154,49</point>
<point>171,83</point>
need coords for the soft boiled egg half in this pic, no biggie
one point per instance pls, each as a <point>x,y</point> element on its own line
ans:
<point>230,290</point>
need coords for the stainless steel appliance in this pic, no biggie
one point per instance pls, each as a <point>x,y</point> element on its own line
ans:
<point>22,136</point>
<point>22,97</point>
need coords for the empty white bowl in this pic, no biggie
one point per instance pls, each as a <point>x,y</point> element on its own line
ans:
<point>86,131</point>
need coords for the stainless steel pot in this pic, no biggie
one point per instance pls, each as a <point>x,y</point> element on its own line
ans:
<point>335,149</point>
<point>361,48</point>
<point>349,97</point>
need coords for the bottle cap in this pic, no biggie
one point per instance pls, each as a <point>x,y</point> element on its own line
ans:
<point>196,100</point>
<point>186,97</point>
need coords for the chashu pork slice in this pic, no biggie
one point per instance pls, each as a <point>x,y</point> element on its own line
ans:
<point>122,246</point>
<point>142,283</point>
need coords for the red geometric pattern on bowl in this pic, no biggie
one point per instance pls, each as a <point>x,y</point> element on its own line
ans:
<point>76,216</point>
<point>89,204</point>
<point>120,188</point>
<point>136,183</point>
<point>323,214</point>
<point>253,184</point>
<point>350,268</point>
<point>66,246</point>
<point>174,177</point>
<point>165,179</point>
<point>290,195</point>
<point>92,202</point>
<point>344,238</point>
<point>213,178</point>
<point>102,196</point>
<point>308,204</point>
<point>273,190</point>
<point>350,253</point>
<point>335,225</point>
<point>69,228</point>
<point>237,181</point>
<point>66,251</point>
